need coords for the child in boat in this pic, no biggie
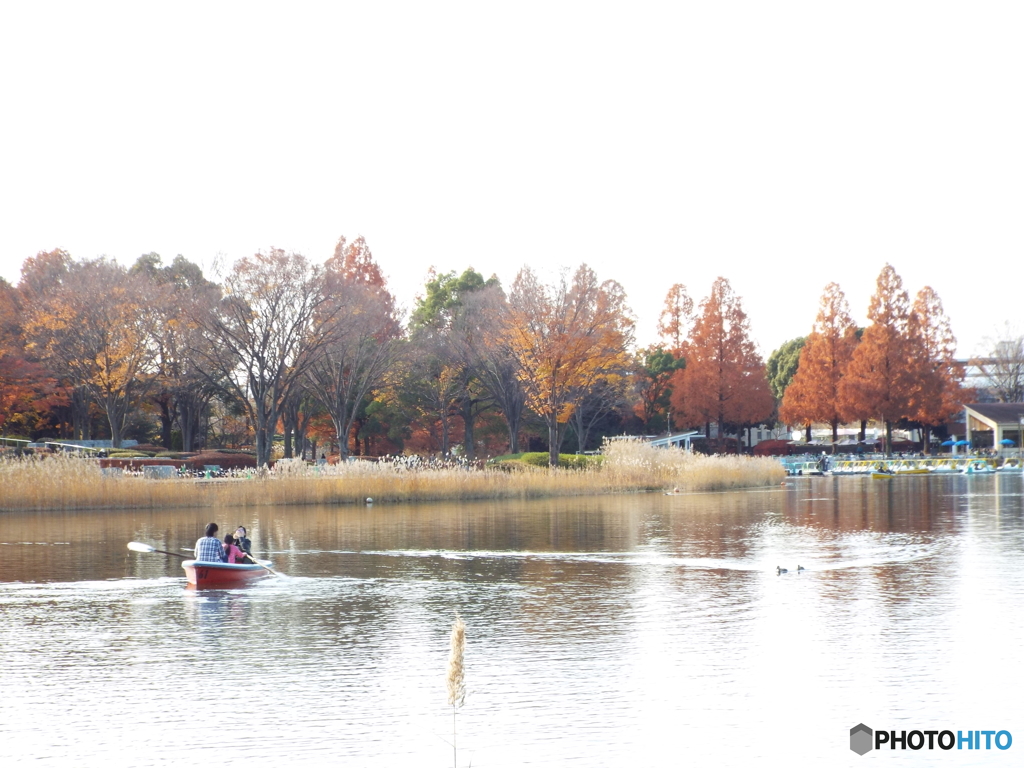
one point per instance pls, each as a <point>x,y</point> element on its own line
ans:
<point>234,554</point>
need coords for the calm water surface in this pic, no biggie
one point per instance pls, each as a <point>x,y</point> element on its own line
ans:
<point>600,632</point>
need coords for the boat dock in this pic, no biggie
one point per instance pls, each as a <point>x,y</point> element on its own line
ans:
<point>896,466</point>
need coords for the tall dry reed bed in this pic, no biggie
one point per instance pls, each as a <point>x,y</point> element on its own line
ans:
<point>66,482</point>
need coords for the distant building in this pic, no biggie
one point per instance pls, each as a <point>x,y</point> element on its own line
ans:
<point>988,425</point>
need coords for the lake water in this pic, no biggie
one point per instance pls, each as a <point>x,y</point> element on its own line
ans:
<point>641,630</point>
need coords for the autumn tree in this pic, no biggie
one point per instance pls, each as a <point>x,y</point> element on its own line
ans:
<point>880,380</point>
<point>675,319</point>
<point>495,364</point>
<point>96,328</point>
<point>814,393</point>
<point>179,292</point>
<point>363,338</point>
<point>939,392</point>
<point>43,277</point>
<point>271,324</point>
<point>724,379</point>
<point>21,380</point>
<point>564,339</point>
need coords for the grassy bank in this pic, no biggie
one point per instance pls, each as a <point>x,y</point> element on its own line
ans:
<point>66,483</point>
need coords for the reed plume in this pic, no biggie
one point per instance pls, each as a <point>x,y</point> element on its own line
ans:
<point>456,677</point>
<point>71,483</point>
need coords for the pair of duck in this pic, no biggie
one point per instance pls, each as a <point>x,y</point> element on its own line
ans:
<point>780,570</point>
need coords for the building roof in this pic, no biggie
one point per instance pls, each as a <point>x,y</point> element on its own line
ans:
<point>1000,413</point>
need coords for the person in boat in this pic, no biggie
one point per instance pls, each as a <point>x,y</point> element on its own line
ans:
<point>242,541</point>
<point>208,548</point>
<point>231,550</point>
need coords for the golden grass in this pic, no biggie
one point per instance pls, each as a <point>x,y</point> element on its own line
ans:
<point>456,680</point>
<point>66,482</point>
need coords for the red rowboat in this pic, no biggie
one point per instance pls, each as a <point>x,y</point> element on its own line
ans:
<point>204,574</point>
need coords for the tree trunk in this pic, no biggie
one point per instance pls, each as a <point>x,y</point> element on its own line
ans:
<point>115,419</point>
<point>807,434</point>
<point>835,434</point>
<point>339,427</point>
<point>188,430</point>
<point>80,414</point>
<point>888,438</point>
<point>166,419</point>
<point>467,422</point>
<point>513,437</point>
<point>863,430</point>
<point>444,433</point>
<point>553,442</point>
<point>266,420</point>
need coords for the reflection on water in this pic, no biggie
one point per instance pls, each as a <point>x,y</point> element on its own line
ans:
<point>606,631</point>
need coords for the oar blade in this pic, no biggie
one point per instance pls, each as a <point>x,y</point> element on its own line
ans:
<point>138,546</point>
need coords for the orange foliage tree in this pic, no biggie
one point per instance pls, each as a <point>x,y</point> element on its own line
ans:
<point>814,395</point>
<point>881,379</point>
<point>674,320</point>
<point>724,379</point>
<point>940,377</point>
<point>42,276</point>
<point>17,375</point>
<point>95,328</point>
<point>564,339</point>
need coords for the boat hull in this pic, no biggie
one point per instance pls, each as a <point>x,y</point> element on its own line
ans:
<point>203,574</point>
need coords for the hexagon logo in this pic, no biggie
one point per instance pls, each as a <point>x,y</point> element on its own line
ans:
<point>860,739</point>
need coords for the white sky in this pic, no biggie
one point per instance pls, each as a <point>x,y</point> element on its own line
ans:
<point>783,145</point>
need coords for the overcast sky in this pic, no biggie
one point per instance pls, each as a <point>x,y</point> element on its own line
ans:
<point>782,145</point>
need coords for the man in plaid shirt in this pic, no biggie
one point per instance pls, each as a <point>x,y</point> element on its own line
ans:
<point>209,549</point>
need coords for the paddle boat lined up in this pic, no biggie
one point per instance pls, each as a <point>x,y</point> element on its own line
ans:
<point>979,467</point>
<point>204,574</point>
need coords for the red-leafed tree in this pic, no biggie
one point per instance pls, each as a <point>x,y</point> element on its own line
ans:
<point>814,393</point>
<point>675,319</point>
<point>940,377</point>
<point>724,379</point>
<point>881,379</point>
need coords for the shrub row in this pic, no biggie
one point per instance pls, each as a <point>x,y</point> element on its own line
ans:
<point>565,460</point>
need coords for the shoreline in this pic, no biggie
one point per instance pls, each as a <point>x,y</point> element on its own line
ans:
<point>64,484</point>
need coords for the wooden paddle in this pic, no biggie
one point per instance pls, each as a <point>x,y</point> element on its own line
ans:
<point>138,546</point>
<point>257,562</point>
